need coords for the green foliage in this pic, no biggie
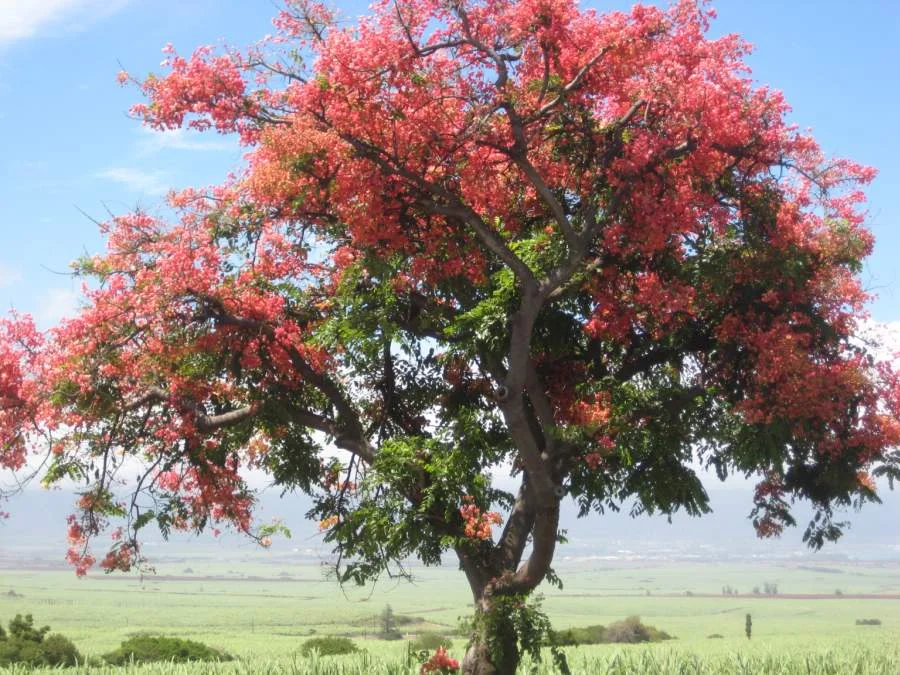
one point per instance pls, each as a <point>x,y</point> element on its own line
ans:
<point>428,642</point>
<point>24,644</point>
<point>628,631</point>
<point>58,650</point>
<point>153,648</point>
<point>22,628</point>
<point>331,645</point>
<point>517,617</point>
<point>582,635</point>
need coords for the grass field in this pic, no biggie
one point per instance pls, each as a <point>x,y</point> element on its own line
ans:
<point>263,614</point>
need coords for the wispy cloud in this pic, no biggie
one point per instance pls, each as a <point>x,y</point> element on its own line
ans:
<point>137,180</point>
<point>23,19</point>
<point>9,276</point>
<point>152,141</point>
<point>56,304</point>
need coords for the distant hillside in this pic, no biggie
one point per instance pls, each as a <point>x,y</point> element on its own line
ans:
<point>36,531</point>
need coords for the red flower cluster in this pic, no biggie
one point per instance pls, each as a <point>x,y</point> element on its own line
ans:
<point>478,523</point>
<point>441,663</point>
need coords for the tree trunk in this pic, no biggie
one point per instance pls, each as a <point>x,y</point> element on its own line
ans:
<point>479,660</point>
<point>494,649</point>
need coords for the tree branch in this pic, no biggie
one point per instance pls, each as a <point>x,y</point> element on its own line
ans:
<point>573,84</point>
<point>205,423</point>
<point>517,529</point>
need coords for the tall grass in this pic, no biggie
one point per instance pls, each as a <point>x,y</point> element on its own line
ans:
<point>839,661</point>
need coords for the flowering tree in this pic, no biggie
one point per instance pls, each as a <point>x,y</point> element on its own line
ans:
<point>471,238</point>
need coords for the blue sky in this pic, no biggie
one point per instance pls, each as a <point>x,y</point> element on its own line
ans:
<point>67,144</point>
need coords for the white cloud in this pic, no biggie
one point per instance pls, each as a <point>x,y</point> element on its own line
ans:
<point>144,182</point>
<point>56,304</point>
<point>152,141</point>
<point>9,276</point>
<point>23,19</point>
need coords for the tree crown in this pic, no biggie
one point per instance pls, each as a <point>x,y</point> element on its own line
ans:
<point>469,237</point>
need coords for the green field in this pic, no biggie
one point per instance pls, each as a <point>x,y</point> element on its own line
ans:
<point>264,613</point>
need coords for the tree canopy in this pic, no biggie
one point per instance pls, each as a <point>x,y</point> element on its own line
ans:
<point>471,238</point>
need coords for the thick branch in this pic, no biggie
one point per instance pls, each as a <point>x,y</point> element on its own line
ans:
<point>351,434</point>
<point>542,408</point>
<point>224,420</point>
<point>517,529</point>
<point>573,84</point>
<point>559,215</point>
<point>437,200</point>
<point>152,396</point>
<point>490,239</point>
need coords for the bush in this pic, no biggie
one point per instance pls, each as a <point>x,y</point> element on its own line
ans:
<point>579,635</point>
<point>328,646</point>
<point>429,642</point>
<point>630,630</point>
<point>29,646</point>
<point>715,636</point>
<point>868,622</point>
<point>58,650</point>
<point>151,648</point>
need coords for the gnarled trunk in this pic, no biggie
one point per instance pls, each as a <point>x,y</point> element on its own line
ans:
<point>480,658</point>
<point>501,577</point>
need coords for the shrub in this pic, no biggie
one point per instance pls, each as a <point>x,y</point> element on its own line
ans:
<point>868,622</point>
<point>715,636</point>
<point>29,646</point>
<point>58,650</point>
<point>19,651</point>
<point>627,631</point>
<point>578,635</point>
<point>330,645</point>
<point>22,628</point>
<point>151,648</point>
<point>630,630</point>
<point>429,642</point>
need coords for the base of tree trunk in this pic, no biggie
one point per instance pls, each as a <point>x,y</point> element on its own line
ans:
<point>477,661</point>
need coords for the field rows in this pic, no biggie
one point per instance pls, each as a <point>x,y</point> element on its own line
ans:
<point>264,620</point>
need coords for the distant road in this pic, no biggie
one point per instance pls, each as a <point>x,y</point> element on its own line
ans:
<point>741,596</point>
